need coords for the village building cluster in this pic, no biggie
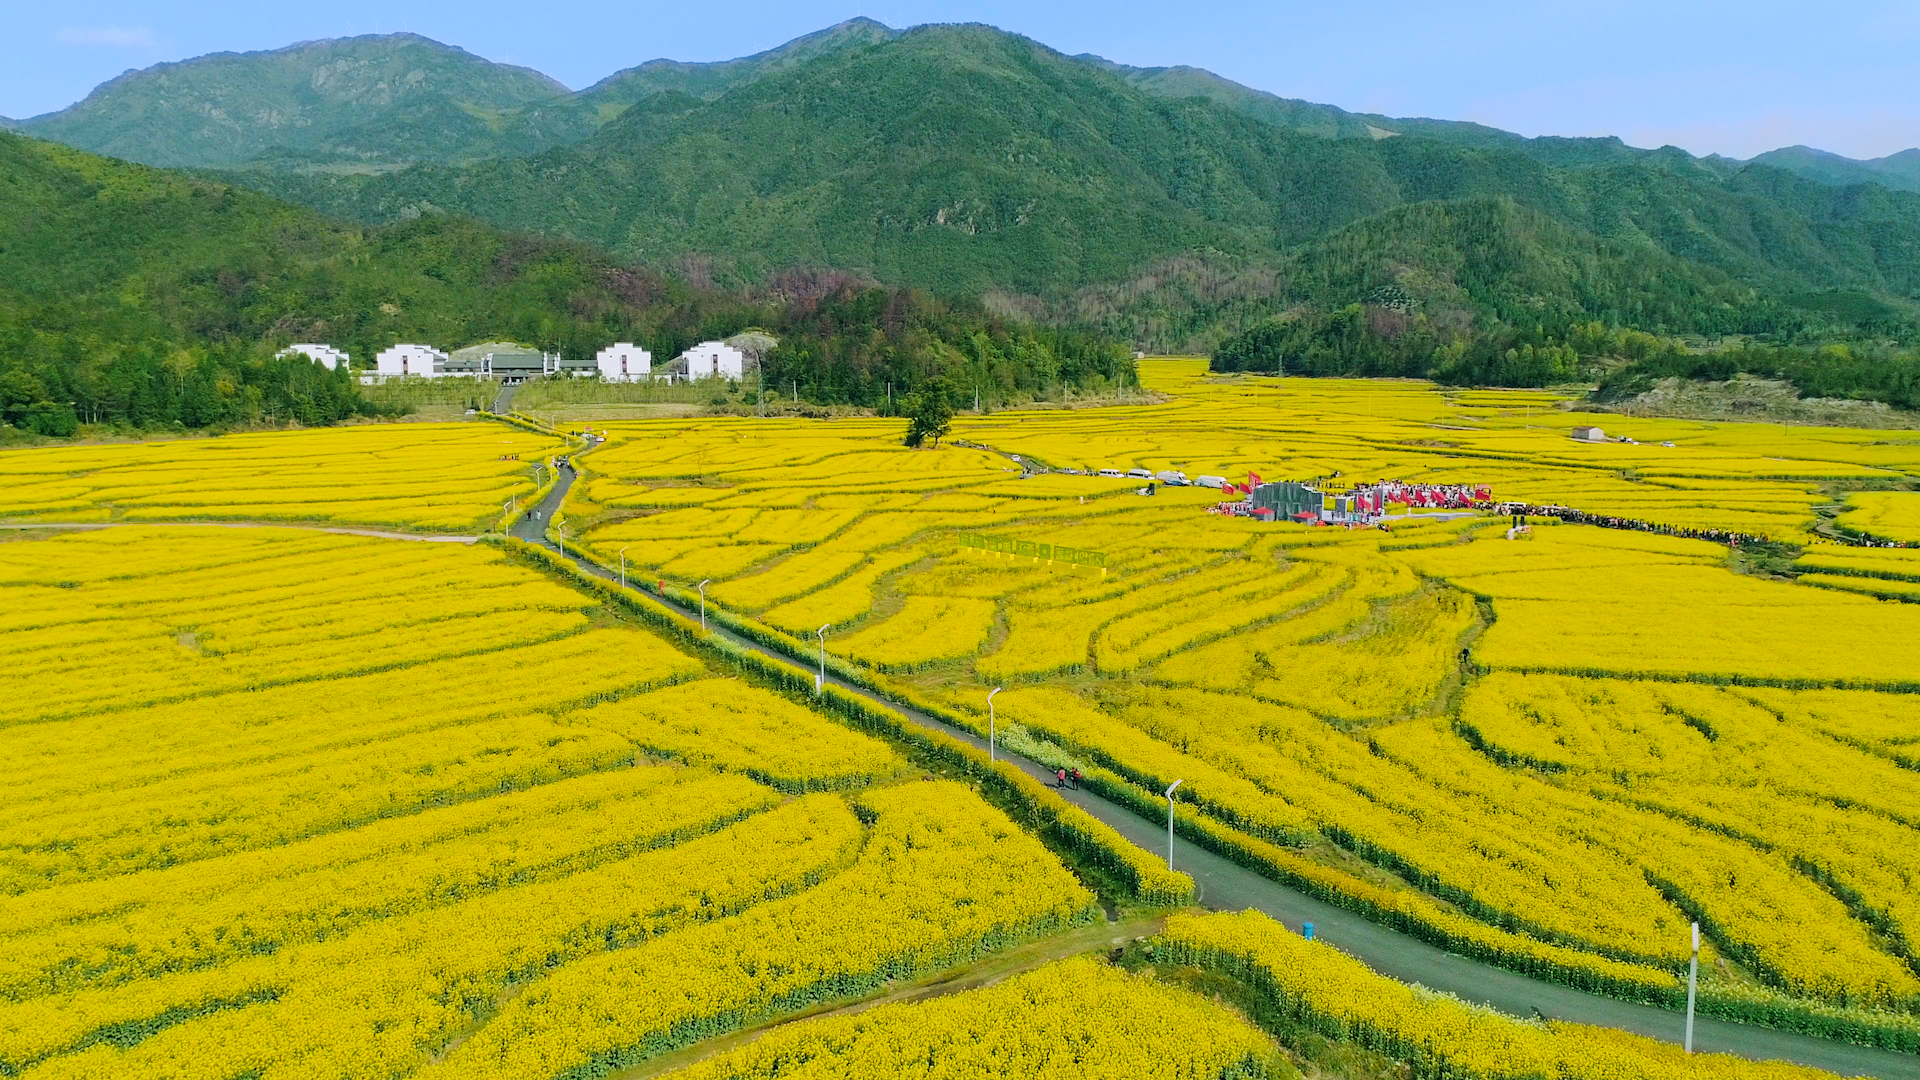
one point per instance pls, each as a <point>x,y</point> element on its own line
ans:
<point>513,363</point>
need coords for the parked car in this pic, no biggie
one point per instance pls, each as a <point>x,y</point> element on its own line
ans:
<point>1211,481</point>
<point>1112,472</point>
<point>1172,477</point>
<point>1140,474</point>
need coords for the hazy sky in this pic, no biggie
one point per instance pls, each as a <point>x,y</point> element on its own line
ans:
<point>1715,76</point>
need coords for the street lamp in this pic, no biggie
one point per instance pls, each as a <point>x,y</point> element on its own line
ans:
<point>623,566</point>
<point>1170,788</point>
<point>1693,975</point>
<point>703,605</point>
<point>990,694</point>
<point>820,680</point>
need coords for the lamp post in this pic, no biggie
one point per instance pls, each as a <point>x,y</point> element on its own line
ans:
<point>623,566</point>
<point>990,694</point>
<point>820,680</point>
<point>1170,788</point>
<point>703,605</point>
<point>1693,975</point>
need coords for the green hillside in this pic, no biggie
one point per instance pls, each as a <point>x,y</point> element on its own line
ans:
<point>1900,171</point>
<point>967,160</point>
<point>363,101</point>
<point>377,101</point>
<point>138,298</point>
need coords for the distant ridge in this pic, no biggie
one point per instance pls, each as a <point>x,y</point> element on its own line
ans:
<point>367,101</point>
<point>967,160</point>
<point>1167,205</point>
<point>377,102</point>
<point>1900,171</point>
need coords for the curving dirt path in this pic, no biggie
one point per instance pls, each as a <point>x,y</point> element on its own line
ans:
<point>995,969</point>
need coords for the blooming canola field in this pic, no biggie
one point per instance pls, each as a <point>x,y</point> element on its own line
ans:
<point>1552,748</point>
<point>287,802</point>
<point>456,477</point>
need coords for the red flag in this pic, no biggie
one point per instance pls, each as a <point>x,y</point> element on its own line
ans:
<point>1253,480</point>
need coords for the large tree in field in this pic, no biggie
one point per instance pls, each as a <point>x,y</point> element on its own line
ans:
<point>930,411</point>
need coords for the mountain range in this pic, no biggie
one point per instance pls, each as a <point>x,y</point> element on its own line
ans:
<point>1169,205</point>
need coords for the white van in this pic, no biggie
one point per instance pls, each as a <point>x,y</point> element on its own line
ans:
<point>1172,477</point>
<point>1112,472</point>
<point>1140,474</point>
<point>1211,481</point>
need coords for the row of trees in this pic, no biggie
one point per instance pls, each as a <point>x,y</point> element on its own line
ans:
<point>873,346</point>
<point>1862,372</point>
<point>51,383</point>
<point>1364,340</point>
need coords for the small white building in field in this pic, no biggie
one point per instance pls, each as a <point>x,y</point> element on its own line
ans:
<point>624,361</point>
<point>1589,434</point>
<point>714,359</point>
<point>419,361</point>
<point>327,355</point>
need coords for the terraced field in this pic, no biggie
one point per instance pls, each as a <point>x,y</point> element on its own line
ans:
<point>288,802</point>
<point>1555,750</point>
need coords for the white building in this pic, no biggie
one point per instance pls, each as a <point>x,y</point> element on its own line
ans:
<point>623,361</point>
<point>1589,434</point>
<point>319,354</point>
<point>420,361</point>
<point>711,359</point>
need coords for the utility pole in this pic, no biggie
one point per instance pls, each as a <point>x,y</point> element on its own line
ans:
<point>623,566</point>
<point>820,680</point>
<point>1693,977</point>
<point>703,605</point>
<point>990,694</point>
<point>1170,788</point>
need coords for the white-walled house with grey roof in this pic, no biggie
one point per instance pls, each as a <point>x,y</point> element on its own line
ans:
<point>623,361</point>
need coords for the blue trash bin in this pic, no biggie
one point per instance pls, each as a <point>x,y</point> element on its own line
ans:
<point>1306,931</point>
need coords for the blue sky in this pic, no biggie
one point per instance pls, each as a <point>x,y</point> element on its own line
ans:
<point>1713,76</point>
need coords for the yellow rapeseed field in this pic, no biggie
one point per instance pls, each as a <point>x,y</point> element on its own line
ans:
<point>419,476</point>
<point>1887,515</point>
<point>286,802</point>
<point>1470,714</point>
<point>1075,1020</point>
<point>282,802</point>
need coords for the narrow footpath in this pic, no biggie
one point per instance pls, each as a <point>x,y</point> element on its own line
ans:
<point>1227,886</point>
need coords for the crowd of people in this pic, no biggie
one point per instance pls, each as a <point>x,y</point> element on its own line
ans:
<point>1521,511</point>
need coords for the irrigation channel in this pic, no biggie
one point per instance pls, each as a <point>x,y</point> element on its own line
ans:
<point>1227,886</point>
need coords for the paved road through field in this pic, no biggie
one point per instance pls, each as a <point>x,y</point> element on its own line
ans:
<point>1227,886</point>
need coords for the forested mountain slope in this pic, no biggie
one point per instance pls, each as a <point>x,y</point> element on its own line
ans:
<point>140,298</point>
<point>964,159</point>
<point>376,101</point>
<point>373,100</point>
<point>1900,171</point>
<point>1168,205</point>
